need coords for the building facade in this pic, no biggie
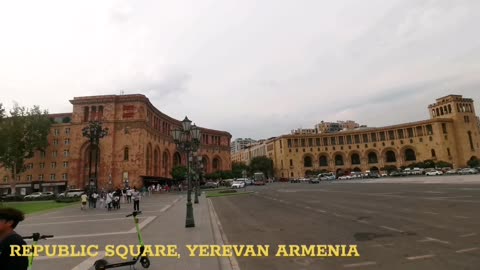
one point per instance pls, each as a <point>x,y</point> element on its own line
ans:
<point>330,127</point>
<point>451,134</point>
<point>138,148</point>
<point>240,143</point>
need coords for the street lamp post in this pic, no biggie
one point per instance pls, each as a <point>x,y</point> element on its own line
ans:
<point>198,172</point>
<point>187,140</point>
<point>94,132</point>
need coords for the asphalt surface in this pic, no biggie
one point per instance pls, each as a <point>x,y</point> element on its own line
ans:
<point>419,224</point>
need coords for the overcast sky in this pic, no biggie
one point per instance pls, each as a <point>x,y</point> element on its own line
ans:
<point>255,68</point>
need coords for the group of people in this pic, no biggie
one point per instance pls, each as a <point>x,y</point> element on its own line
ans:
<point>112,199</point>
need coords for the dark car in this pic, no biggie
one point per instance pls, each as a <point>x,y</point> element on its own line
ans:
<point>314,181</point>
<point>396,174</point>
<point>373,175</point>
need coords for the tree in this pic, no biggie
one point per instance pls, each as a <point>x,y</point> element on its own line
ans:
<point>262,164</point>
<point>474,162</point>
<point>22,132</point>
<point>179,173</point>
<point>443,164</point>
<point>66,119</point>
<point>238,168</point>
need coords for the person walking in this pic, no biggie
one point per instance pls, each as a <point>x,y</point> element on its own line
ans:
<point>94,199</point>
<point>9,219</point>
<point>136,199</point>
<point>129,195</point>
<point>109,200</point>
<point>84,199</point>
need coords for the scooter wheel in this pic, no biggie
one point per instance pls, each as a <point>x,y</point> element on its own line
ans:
<point>100,264</point>
<point>145,262</point>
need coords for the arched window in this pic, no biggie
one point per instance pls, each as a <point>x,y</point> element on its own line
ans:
<point>470,140</point>
<point>100,113</point>
<point>434,155</point>
<point>307,162</point>
<point>216,164</point>
<point>449,108</point>
<point>355,159</point>
<point>372,158</point>
<point>390,156</point>
<point>339,160</point>
<point>323,161</point>
<point>410,155</point>
<point>86,114</point>
<point>177,159</point>
<point>126,154</point>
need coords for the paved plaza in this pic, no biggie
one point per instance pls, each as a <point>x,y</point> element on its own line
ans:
<point>425,223</point>
<point>162,223</point>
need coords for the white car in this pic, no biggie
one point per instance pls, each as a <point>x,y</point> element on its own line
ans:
<point>34,195</point>
<point>238,184</point>
<point>433,173</point>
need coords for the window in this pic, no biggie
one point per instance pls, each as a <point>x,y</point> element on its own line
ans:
<point>365,138</point>
<point>372,158</point>
<point>67,141</point>
<point>55,141</point>
<point>410,155</point>
<point>391,135</point>
<point>317,141</point>
<point>30,166</point>
<point>56,132</point>
<point>374,137</point>
<point>466,119</point>
<point>390,157</point>
<point>310,142</point>
<point>125,154</point>
<point>471,140</point>
<point>86,116</point>
<point>42,154</point>
<point>349,139</point>
<point>325,141</point>
<point>333,141</point>
<point>341,140</point>
<point>444,128</point>
<point>65,164</point>
<point>53,165</point>
<point>419,131</point>
<point>67,131</point>
<point>40,177</point>
<point>289,143</point>
<point>400,133</point>
<point>410,132</point>
<point>5,179</point>
<point>434,155</point>
<point>66,153</point>
<point>356,138</point>
<point>429,130</point>
<point>41,165</point>
<point>339,160</point>
<point>291,163</point>
<point>448,151</point>
<point>52,176</point>
<point>302,141</point>
<point>29,178</point>
<point>382,136</point>
<point>65,176</point>
<point>323,161</point>
<point>54,154</point>
<point>355,159</point>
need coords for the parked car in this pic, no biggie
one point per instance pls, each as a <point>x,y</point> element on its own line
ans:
<point>314,181</point>
<point>452,171</point>
<point>468,171</point>
<point>33,195</point>
<point>72,193</point>
<point>238,184</point>
<point>327,177</point>
<point>373,175</point>
<point>433,173</point>
<point>397,174</point>
<point>211,185</point>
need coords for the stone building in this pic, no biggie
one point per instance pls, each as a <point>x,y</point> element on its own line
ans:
<point>451,134</point>
<point>139,147</point>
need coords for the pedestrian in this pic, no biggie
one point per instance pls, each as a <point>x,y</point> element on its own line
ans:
<point>180,187</point>
<point>84,199</point>
<point>9,219</point>
<point>136,199</point>
<point>167,188</point>
<point>94,199</point>
<point>109,200</point>
<point>102,200</point>
<point>129,195</point>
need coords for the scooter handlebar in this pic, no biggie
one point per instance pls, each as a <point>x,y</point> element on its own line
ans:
<point>134,213</point>
<point>37,236</point>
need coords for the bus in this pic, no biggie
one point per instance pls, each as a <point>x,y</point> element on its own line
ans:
<point>259,178</point>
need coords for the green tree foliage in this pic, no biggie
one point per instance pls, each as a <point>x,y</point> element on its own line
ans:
<point>262,164</point>
<point>22,132</point>
<point>66,119</point>
<point>237,169</point>
<point>474,162</point>
<point>179,173</point>
<point>389,168</point>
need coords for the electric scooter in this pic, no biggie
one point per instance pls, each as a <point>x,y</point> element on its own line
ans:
<point>35,237</point>
<point>144,260</point>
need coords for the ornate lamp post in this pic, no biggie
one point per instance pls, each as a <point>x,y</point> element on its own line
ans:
<point>94,132</point>
<point>198,165</point>
<point>187,140</point>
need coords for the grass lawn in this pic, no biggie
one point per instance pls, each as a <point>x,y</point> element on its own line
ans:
<point>36,206</point>
<point>218,194</point>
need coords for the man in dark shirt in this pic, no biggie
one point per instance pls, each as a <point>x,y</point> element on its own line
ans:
<point>9,219</point>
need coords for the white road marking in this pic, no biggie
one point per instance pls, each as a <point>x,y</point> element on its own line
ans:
<point>363,221</point>
<point>467,250</point>
<point>468,235</point>
<point>76,221</point>
<point>87,264</point>
<point>461,217</point>
<point>353,265</point>
<point>430,239</point>
<point>420,257</point>
<point>391,229</point>
<point>143,224</point>
<point>431,213</point>
<point>320,210</point>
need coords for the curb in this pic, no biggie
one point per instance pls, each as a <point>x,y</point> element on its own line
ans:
<point>229,263</point>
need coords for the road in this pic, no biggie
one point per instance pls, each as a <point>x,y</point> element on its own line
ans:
<point>417,224</point>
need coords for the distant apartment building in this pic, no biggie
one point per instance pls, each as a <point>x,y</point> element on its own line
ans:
<point>256,149</point>
<point>239,144</point>
<point>304,131</point>
<point>331,127</point>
